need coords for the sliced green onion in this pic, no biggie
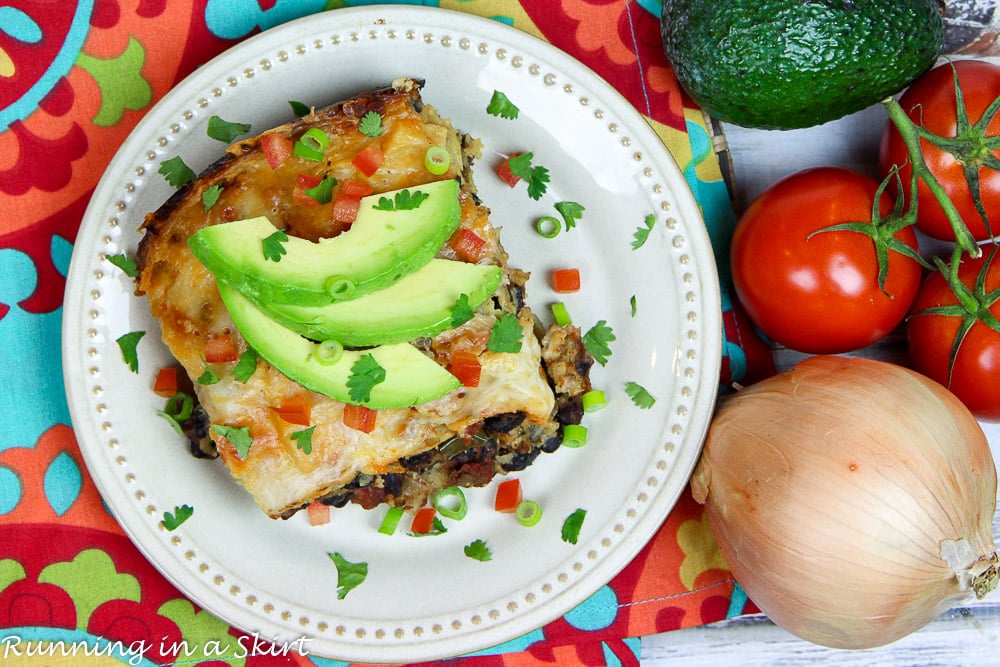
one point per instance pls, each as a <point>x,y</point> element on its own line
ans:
<point>574,435</point>
<point>173,422</point>
<point>340,287</point>
<point>561,314</point>
<point>306,152</point>
<point>315,139</point>
<point>391,521</point>
<point>593,400</point>
<point>179,407</point>
<point>329,352</point>
<point>548,226</point>
<point>528,513</point>
<point>450,503</point>
<point>437,160</point>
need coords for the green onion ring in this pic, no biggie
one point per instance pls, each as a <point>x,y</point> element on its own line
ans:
<point>179,407</point>
<point>437,160</point>
<point>391,520</point>
<point>315,139</point>
<point>528,513</point>
<point>340,287</point>
<point>329,352</point>
<point>548,226</point>
<point>450,503</point>
<point>574,435</point>
<point>305,152</point>
<point>561,314</point>
<point>593,400</point>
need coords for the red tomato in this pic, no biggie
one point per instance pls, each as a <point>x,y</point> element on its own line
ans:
<point>930,101</point>
<point>505,174</point>
<point>509,496</point>
<point>466,367</point>
<point>819,294</point>
<point>165,384</point>
<point>276,147</point>
<point>975,374</point>
<point>369,159</point>
<point>467,244</point>
<point>565,281</point>
<point>360,417</point>
<point>221,349</point>
<point>423,521</point>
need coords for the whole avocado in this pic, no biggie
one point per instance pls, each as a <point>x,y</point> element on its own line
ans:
<point>785,64</point>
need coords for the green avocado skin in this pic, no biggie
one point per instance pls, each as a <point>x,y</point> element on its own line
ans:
<point>785,64</point>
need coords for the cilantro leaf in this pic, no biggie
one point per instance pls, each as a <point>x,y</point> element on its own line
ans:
<point>349,575</point>
<point>210,196</point>
<point>125,263</point>
<point>371,124</point>
<point>642,233</point>
<point>462,311</point>
<point>176,172</point>
<point>365,374</point>
<point>536,176</point>
<point>225,131</point>
<point>246,366</point>
<point>506,335</point>
<point>633,305</point>
<point>207,376</point>
<point>639,395</point>
<point>273,246</point>
<point>404,201</point>
<point>300,109</point>
<point>570,212</point>
<point>596,341</point>
<point>304,439</point>
<point>501,106</point>
<point>478,550</point>
<point>572,525</point>
<point>323,192</point>
<point>181,514</point>
<point>128,344</point>
<point>238,437</point>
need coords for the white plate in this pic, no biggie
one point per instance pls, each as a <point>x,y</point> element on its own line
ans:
<point>423,598</point>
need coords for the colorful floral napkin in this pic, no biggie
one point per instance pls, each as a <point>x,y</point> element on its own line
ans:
<point>75,78</point>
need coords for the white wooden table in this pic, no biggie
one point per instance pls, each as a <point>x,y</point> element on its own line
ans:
<point>969,635</point>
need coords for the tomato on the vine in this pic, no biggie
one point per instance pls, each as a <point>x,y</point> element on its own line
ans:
<point>953,338</point>
<point>818,291</point>
<point>931,103</point>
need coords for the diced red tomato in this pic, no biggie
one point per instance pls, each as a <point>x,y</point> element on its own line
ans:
<point>345,209</point>
<point>352,187</point>
<point>318,513</point>
<point>165,384</point>
<point>359,417</point>
<point>566,280</point>
<point>277,147</point>
<point>295,410</point>
<point>220,350</point>
<point>467,244</point>
<point>369,159</point>
<point>423,521</point>
<point>466,367</point>
<point>505,174</point>
<point>304,182</point>
<point>509,496</point>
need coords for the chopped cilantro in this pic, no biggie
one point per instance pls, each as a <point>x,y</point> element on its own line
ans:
<point>642,233</point>
<point>570,212</point>
<point>639,395</point>
<point>478,550</point>
<point>349,575</point>
<point>210,196</point>
<point>462,311</point>
<point>633,305</point>
<point>596,341</point>
<point>536,176</point>
<point>300,109</point>
<point>207,376</point>
<point>365,374</point>
<point>501,106</point>
<point>323,192</point>
<point>225,131</point>
<point>181,514</point>
<point>238,437</point>
<point>273,246</point>
<point>125,263</point>
<point>176,172</point>
<point>506,335</point>
<point>304,439</point>
<point>571,526</point>
<point>404,201</point>
<point>128,344</point>
<point>371,124</point>
<point>246,366</point>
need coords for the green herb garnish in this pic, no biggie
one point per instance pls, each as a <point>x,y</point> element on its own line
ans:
<point>571,526</point>
<point>642,233</point>
<point>210,196</point>
<point>246,366</point>
<point>365,374</point>
<point>404,201</point>
<point>633,305</point>
<point>238,437</point>
<point>596,341</point>
<point>536,176</point>
<point>300,109</point>
<point>323,192</point>
<point>207,376</point>
<point>125,263</point>
<point>176,172</point>
<point>128,344</point>
<point>570,212</point>
<point>506,335</point>
<point>225,131</point>
<point>462,311</point>
<point>349,575</point>
<point>437,528</point>
<point>639,395</point>
<point>274,246</point>
<point>501,106</point>
<point>371,124</point>
<point>478,550</point>
<point>304,439</point>
<point>181,514</point>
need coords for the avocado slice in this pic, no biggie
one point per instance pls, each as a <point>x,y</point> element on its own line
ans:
<point>420,304</point>
<point>411,377</point>
<point>387,241</point>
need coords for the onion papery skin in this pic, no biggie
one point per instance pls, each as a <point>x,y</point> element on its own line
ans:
<point>832,488</point>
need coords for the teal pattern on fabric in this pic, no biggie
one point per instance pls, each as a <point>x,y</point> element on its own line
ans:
<point>597,612</point>
<point>62,483</point>
<point>10,490</point>
<point>233,19</point>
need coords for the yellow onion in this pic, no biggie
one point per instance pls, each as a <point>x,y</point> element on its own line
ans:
<point>852,499</point>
